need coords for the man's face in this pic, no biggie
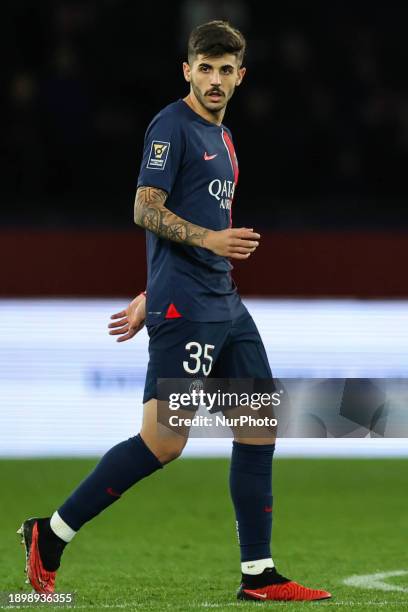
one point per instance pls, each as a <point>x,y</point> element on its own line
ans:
<point>213,79</point>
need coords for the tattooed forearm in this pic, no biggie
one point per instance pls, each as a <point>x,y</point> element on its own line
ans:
<point>151,213</point>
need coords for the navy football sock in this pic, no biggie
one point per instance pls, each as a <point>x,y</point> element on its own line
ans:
<point>120,468</point>
<point>251,492</point>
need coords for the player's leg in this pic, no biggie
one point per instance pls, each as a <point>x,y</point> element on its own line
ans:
<point>124,464</point>
<point>119,469</point>
<point>244,356</point>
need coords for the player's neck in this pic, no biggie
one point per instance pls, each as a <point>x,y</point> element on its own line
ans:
<point>198,108</point>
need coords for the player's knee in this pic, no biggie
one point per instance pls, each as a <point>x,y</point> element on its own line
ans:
<point>165,449</point>
<point>169,451</point>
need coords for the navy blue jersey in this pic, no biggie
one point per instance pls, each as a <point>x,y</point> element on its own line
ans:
<point>194,161</point>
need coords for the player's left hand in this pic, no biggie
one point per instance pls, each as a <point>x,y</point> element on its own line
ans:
<point>131,320</point>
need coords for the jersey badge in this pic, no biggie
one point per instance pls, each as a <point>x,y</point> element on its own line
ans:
<point>159,152</point>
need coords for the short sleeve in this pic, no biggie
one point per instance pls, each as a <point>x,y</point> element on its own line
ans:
<point>162,153</point>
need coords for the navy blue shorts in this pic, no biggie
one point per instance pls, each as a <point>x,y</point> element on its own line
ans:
<point>182,349</point>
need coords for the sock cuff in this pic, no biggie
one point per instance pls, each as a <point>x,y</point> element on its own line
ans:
<point>156,464</point>
<point>61,528</point>
<point>253,448</point>
<point>253,459</point>
<point>252,568</point>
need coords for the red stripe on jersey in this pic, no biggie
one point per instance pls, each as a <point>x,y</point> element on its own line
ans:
<point>232,155</point>
<point>234,162</point>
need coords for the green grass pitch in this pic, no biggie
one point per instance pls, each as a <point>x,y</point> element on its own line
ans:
<point>170,542</point>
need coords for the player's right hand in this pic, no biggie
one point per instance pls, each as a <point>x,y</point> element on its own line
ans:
<point>237,243</point>
<point>131,320</point>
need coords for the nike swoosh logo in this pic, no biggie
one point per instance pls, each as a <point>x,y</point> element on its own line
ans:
<point>112,492</point>
<point>208,157</point>
<point>260,595</point>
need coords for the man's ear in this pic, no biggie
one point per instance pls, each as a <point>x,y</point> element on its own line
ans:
<point>187,71</point>
<point>241,74</point>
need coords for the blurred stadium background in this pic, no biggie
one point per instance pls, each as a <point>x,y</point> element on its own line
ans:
<point>321,129</point>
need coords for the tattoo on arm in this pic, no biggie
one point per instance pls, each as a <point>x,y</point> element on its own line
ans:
<point>151,213</point>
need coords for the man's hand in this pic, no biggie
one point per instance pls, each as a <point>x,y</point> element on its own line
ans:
<point>237,243</point>
<point>130,321</point>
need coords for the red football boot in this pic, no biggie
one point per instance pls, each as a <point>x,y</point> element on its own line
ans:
<point>40,579</point>
<point>276,588</point>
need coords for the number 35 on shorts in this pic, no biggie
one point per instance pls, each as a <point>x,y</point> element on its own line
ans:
<point>199,358</point>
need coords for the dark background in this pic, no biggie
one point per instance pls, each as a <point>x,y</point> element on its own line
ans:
<point>320,123</point>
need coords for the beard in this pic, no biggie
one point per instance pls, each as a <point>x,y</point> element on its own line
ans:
<point>212,107</point>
